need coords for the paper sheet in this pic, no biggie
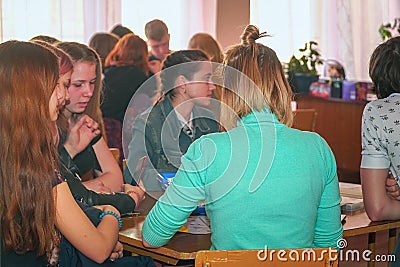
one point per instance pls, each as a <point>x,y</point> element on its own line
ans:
<point>198,225</point>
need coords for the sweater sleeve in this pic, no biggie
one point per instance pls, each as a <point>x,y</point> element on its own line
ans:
<point>179,200</point>
<point>328,228</point>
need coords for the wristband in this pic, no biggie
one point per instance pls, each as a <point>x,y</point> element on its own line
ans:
<point>137,195</point>
<point>113,214</point>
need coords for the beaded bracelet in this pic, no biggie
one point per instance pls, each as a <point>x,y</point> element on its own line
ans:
<point>113,214</point>
<point>137,195</point>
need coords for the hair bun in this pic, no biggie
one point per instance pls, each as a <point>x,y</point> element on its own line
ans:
<point>250,34</point>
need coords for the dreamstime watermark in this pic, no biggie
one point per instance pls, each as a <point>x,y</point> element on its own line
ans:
<point>316,255</point>
<point>364,255</point>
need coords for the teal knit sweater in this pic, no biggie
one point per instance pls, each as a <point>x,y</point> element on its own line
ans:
<point>265,184</point>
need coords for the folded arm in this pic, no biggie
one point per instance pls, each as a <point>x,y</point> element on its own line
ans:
<point>378,204</point>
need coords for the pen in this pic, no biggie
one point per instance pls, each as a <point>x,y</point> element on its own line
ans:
<point>143,161</point>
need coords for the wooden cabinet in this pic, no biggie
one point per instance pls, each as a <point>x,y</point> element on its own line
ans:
<point>339,123</point>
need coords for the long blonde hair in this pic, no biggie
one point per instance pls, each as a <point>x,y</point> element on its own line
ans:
<point>259,84</point>
<point>28,76</point>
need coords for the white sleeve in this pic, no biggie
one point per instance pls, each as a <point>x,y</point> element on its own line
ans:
<point>374,153</point>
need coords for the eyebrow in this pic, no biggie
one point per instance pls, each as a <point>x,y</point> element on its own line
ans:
<point>82,81</point>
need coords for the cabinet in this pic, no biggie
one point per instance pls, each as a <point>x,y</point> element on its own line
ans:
<point>339,123</point>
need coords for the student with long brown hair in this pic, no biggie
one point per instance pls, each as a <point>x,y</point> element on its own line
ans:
<point>79,137</point>
<point>126,69</point>
<point>95,161</point>
<point>34,199</point>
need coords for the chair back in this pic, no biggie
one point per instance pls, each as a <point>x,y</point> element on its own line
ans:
<point>123,164</point>
<point>113,130</point>
<point>316,257</point>
<point>305,119</point>
<point>115,152</point>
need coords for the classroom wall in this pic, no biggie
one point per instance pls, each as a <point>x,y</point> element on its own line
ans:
<point>232,17</point>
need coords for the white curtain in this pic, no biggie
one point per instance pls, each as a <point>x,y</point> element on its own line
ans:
<point>351,33</point>
<point>183,18</point>
<point>67,20</point>
<point>78,20</point>
<point>100,16</point>
<point>345,30</point>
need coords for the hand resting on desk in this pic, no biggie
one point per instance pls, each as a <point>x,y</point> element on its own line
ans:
<point>392,188</point>
<point>147,245</point>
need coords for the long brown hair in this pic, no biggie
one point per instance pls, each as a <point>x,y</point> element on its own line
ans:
<point>206,43</point>
<point>83,53</point>
<point>264,71</point>
<point>28,76</point>
<point>131,50</point>
<point>103,43</point>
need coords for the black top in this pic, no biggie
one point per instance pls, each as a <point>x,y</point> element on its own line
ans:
<point>29,259</point>
<point>120,84</point>
<point>121,201</point>
<point>86,160</point>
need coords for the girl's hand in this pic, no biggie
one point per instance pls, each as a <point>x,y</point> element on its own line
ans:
<point>392,188</point>
<point>97,186</point>
<point>80,135</point>
<point>134,192</point>
<point>117,252</point>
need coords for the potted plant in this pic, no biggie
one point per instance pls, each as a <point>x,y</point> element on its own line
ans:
<point>386,30</point>
<point>302,71</point>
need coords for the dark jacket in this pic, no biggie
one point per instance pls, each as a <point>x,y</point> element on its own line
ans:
<point>158,134</point>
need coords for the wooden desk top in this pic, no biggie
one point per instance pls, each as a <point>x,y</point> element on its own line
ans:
<point>183,246</point>
<point>359,224</point>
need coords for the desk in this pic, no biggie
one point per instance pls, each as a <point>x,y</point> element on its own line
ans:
<point>360,224</point>
<point>184,246</point>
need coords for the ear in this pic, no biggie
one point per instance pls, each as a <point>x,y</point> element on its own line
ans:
<point>181,82</point>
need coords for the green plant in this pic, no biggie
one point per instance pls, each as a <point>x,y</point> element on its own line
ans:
<point>385,30</point>
<point>309,60</point>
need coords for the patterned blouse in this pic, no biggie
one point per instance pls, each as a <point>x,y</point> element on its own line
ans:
<point>381,135</point>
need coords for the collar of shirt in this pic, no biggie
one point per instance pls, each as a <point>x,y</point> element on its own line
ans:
<point>182,120</point>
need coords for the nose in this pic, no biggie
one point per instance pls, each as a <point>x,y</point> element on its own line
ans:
<point>88,90</point>
<point>211,86</point>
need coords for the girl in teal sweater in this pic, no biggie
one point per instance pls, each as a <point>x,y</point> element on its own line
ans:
<point>264,183</point>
